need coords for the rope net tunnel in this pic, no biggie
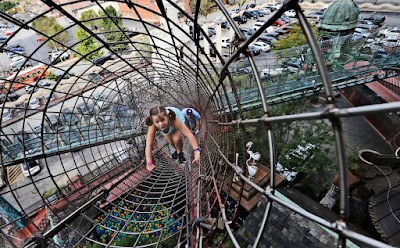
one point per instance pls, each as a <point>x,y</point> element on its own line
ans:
<point>86,74</point>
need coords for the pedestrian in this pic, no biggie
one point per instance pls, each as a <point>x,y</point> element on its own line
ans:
<point>170,122</point>
<point>192,119</point>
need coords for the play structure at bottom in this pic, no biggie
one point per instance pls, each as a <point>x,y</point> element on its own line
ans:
<point>122,224</point>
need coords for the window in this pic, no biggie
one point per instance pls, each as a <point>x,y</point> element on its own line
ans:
<point>151,2</point>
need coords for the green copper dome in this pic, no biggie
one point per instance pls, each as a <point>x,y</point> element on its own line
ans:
<point>341,15</point>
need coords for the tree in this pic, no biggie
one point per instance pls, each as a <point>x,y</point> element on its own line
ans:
<point>112,26</point>
<point>206,7</point>
<point>49,27</point>
<point>6,6</point>
<point>89,18</point>
<point>288,135</point>
<point>87,46</point>
<point>295,38</point>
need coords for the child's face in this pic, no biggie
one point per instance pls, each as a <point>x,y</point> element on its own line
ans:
<point>160,121</point>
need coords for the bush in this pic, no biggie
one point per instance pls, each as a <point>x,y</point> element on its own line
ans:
<point>51,76</point>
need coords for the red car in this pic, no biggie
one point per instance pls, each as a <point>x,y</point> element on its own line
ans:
<point>279,22</point>
<point>8,33</point>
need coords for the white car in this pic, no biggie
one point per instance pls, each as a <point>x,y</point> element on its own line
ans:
<point>273,72</point>
<point>391,32</point>
<point>265,11</point>
<point>362,32</point>
<point>225,42</point>
<point>17,58</point>
<point>262,45</point>
<point>30,168</point>
<point>391,41</point>
<point>258,24</point>
<point>56,54</point>
<point>291,13</point>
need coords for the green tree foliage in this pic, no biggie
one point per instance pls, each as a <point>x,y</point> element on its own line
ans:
<point>6,6</point>
<point>295,38</point>
<point>111,27</point>
<point>90,15</point>
<point>206,7</point>
<point>288,135</point>
<point>87,46</point>
<point>50,27</point>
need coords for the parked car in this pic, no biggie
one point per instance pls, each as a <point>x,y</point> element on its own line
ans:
<point>362,32</point>
<point>369,27</point>
<point>279,22</point>
<point>85,109</point>
<point>225,42</point>
<point>2,98</point>
<point>278,5</point>
<point>30,168</point>
<point>211,31</point>
<point>33,103</point>
<point>69,117</point>
<point>262,45</point>
<point>235,11</point>
<point>69,136</point>
<point>30,88</point>
<point>43,83</point>
<point>267,39</point>
<point>265,11</point>
<point>268,72</point>
<point>291,13</point>
<point>270,6</point>
<point>254,50</point>
<point>102,59</point>
<point>315,15</point>
<point>248,31</point>
<point>104,73</point>
<point>250,14</point>
<point>35,85</point>
<point>100,100</point>
<point>12,96</point>
<point>6,115</point>
<point>285,18</point>
<point>56,56</point>
<point>250,5</point>
<point>258,24</point>
<point>390,32</point>
<point>54,122</point>
<point>60,76</point>
<point>20,65</point>
<point>259,12</point>
<point>374,19</point>
<point>94,77</point>
<point>241,19</point>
